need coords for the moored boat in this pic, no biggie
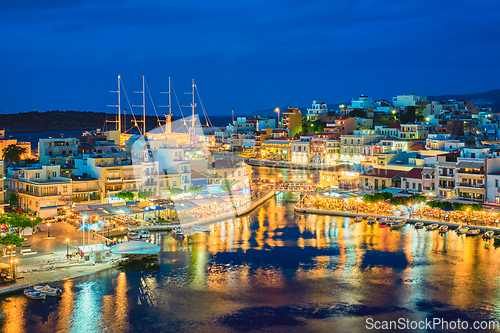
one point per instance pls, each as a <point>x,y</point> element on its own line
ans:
<point>473,232</point>
<point>48,290</point>
<point>419,225</point>
<point>358,219</point>
<point>383,221</point>
<point>489,234</point>
<point>133,236</point>
<point>372,220</point>
<point>143,233</point>
<point>462,230</point>
<point>33,294</point>
<point>432,226</point>
<point>397,225</point>
<point>443,229</point>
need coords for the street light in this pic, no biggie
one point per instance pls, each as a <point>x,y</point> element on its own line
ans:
<point>67,248</point>
<point>278,110</point>
<point>48,230</point>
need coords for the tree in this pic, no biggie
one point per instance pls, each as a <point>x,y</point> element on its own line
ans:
<point>176,191</point>
<point>127,196</point>
<point>10,240</point>
<point>377,197</point>
<point>357,113</point>
<point>14,198</point>
<point>20,221</point>
<point>12,153</point>
<point>195,189</point>
<point>145,194</point>
<point>226,185</point>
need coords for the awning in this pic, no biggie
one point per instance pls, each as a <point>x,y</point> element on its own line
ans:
<point>427,172</point>
<point>470,165</point>
<point>199,182</point>
<point>391,190</point>
<point>347,178</point>
<point>79,208</point>
<point>136,210</point>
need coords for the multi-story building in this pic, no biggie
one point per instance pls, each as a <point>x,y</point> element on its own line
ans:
<point>3,196</point>
<point>300,152</point>
<point>4,143</point>
<point>470,174</point>
<point>445,175</point>
<point>442,142</point>
<point>59,151</point>
<point>42,191</point>
<point>238,172</point>
<point>316,109</point>
<point>277,149</point>
<point>412,181</point>
<point>409,100</point>
<point>85,189</point>
<point>292,120</point>
<point>351,146</point>
<point>414,131</point>
<point>379,179</point>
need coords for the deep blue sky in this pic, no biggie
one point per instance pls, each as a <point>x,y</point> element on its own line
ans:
<point>252,55</point>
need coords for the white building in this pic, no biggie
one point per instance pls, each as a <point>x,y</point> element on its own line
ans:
<point>315,110</point>
<point>364,102</point>
<point>407,100</point>
<point>57,150</point>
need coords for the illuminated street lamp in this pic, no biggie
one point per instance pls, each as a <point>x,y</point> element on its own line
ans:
<point>48,230</point>
<point>67,248</point>
<point>278,111</point>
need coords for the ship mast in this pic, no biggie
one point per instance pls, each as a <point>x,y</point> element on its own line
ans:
<point>193,104</point>
<point>118,119</point>
<point>168,117</point>
<point>143,106</point>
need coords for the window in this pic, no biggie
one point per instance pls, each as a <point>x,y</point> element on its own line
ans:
<point>225,174</point>
<point>54,174</point>
<point>65,189</point>
<point>232,174</point>
<point>37,175</point>
<point>239,173</point>
<point>174,183</point>
<point>496,182</point>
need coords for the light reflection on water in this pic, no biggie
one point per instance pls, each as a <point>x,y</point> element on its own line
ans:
<point>276,269</point>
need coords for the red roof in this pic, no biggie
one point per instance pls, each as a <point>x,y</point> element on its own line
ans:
<point>398,125</point>
<point>494,173</point>
<point>416,147</point>
<point>382,173</point>
<point>415,173</point>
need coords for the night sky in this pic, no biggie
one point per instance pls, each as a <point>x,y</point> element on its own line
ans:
<point>253,55</point>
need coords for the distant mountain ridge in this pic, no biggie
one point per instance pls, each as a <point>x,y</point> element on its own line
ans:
<point>489,98</point>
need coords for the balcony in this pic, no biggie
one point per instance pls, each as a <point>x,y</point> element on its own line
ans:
<point>114,180</point>
<point>466,184</point>
<point>80,190</point>
<point>38,194</point>
<point>478,172</point>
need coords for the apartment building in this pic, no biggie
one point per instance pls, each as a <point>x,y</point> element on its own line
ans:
<point>300,152</point>
<point>42,191</point>
<point>351,146</point>
<point>317,108</point>
<point>278,149</point>
<point>3,196</point>
<point>292,120</point>
<point>414,131</point>
<point>59,151</point>
<point>379,179</point>
<point>238,172</point>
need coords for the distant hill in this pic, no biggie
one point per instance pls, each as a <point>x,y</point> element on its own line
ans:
<point>35,121</point>
<point>489,98</point>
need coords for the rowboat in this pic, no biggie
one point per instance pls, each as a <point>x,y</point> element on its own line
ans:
<point>488,234</point>
<point>432,226</point>
<point>397,225</point>
<point>49,291</point>
<point>443,229</point>
<point>358,219</point>
<point>419,225</point>
<point>133,236</point>
<point>33,294</point>
<point>473,232</point>
<point>462,230</point>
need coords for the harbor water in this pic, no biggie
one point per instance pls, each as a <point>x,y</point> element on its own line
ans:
<point>281,271</point>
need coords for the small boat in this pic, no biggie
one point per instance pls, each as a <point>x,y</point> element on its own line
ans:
<point>473,232</point>
<point>404,220</point>
<point>372,220</point>
<point>443,229</point>
<point>383,221</point>
<point>133,236</point>
<point>358,219</point>
<point>200,229</point>
<point>496,239</point>
<point>397,225</point>
<point>48,290</point>
<point>143,233</point>
<point>432,226</point>
<point>419,225</point>
<point>33,294</point>
<point>462,230</point>
<point>488,234</point>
